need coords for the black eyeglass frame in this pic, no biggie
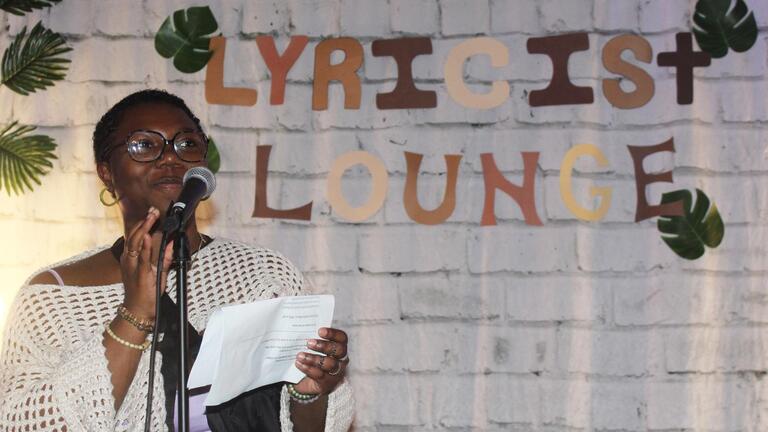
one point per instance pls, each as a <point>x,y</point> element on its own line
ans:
<point>172,142</point>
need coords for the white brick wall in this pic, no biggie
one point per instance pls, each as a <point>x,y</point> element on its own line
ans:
<point>572,326</point>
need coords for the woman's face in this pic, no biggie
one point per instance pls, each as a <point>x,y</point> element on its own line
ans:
<point>139,185</point>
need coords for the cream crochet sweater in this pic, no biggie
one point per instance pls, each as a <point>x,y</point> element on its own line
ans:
<point>53,369</point>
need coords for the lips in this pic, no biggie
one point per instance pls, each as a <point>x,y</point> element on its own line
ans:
<point>169,181</point>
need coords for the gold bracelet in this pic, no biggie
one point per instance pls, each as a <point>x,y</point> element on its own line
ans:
<point>142,347</point>
<point>146,326</point>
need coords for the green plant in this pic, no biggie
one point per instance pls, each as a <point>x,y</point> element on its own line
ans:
<point>34,62</point>
<point>213,157</point>
<point>717,26</point>
<point>19,7</point>
<point>699,226</point>
<point>23,158</point>
<point>185,36</point>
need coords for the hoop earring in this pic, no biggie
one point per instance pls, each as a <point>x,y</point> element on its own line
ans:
<point>104,201</point>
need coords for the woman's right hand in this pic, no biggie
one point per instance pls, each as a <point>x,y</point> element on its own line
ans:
<point>137,265</point>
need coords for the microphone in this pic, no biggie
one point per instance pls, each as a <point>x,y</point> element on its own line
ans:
<point>198,184</point>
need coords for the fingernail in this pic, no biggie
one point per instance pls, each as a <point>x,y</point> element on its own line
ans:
<point>311,343</point>
<point>323,332</point>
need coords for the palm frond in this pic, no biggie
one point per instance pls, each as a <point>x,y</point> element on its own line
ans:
<point>23,158</point>
<point>20,7</point>
<point>34,63</point>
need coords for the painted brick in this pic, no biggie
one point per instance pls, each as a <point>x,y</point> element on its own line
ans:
<point>673,299</point>
<point>319,249</point>
<point>401,402</point>
<point>566,402</point>
<point>751,64</point>
<point>616,16</point>
<point>709,401</point>
<point>419,17</point>
<point>433,143</point>
<point>450,407</point>
<point>557,298</point>
<point>617,353</point>
<point>237,149</point>
<point>559,17</point>
<point>315,17</point>
<point>663,108</point>
<point>520,403</point>
<point>297,192</point>
<point>304,154</point>
<point>513,16</point>
<point>364,18</point>
<point>608,249</point>
<point>715,150</point>
<point>500,349</point>
<point>521,248</point>
<point>748,302</point>
<point>367,116</point>
<point>738,103</point>
<point>618,406</point>
<point>131,60</point>
<point>356,293</point>
<point>742,249</point>
<point>507,146</point>
<point>665,16</point>
<point>449,111</point>
<point>464,18</point>
<point>381,250</point>
<point>432,348</point>
<point>130,21</point>
<point>265,16</point>
<point>76,17</point>
<point>84,103</point>
<point>446,296</point>
<point>728,349</point>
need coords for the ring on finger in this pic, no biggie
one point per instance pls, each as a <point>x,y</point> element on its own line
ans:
<point>132,253</point>
<point>320,362</point>
<point>333,350</point>
<point>335,370</point>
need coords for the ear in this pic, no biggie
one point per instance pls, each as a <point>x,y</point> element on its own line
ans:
<point>102,169</point>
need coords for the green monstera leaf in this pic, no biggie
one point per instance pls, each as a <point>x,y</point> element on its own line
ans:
<point>700,226</point>
<point>185,36</point>
<point>19,7</point>
<point>718,26</point>
<point>23,158</point>
<point>213,157</point>
<point>34,62</point>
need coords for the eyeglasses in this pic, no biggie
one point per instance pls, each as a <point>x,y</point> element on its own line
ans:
<point>148,146</point>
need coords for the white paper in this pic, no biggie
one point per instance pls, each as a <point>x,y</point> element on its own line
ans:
<point>252,345</point>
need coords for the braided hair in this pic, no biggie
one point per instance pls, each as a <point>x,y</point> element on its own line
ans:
<point>110,121</point>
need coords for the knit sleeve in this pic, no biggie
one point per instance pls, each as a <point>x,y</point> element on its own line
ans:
<point>338,414</point>
<point>53,377</point>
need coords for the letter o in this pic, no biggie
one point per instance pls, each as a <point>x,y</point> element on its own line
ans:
<point>379,177</point>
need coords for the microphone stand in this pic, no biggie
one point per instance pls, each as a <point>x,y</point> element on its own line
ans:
<point>181,259</point>
<point>174,224</point>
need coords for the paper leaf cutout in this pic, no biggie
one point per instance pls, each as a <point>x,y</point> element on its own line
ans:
<point>185,36</point>
<point>19,7</point>
<point>717,28</point>
<point>700,226</point>
<point>213,157</point>
<point>23,158</point>
<point>33,62</point>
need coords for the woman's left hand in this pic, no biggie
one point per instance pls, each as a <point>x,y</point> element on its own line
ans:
<point>323,373</point>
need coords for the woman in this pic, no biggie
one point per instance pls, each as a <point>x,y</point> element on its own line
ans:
<point>74,355</point>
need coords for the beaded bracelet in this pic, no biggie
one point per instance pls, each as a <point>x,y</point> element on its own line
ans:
<point>146,326</point>
<point>301,397</point>
<point>142,347</point>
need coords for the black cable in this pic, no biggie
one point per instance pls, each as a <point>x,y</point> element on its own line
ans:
<point>153,346</point>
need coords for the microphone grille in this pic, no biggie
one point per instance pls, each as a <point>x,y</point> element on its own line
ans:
<point>205,175</point>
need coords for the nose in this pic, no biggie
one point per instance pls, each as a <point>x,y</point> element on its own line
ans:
<point>169,156</point>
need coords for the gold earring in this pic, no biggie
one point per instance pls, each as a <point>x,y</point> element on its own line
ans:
<point>104,201</point>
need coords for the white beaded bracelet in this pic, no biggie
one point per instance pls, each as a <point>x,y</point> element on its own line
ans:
<point>142,347</point>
